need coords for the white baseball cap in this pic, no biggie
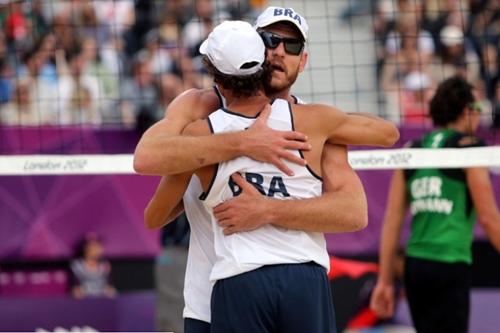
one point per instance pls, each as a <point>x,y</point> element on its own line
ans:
<point>233,44</point>
<point>416,81</point>
<point>278,14</point>
<point>452,35</point>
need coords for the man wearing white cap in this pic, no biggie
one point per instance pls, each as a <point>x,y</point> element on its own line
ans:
<point>456,56</point>
<point>342,208</point>
<point>270,279</point>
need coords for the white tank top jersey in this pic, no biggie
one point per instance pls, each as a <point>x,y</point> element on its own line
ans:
<point>269,244</point>
<point>201,254</point>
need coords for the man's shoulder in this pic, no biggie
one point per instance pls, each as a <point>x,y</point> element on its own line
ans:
<point>315,116</point>
<point>316,107</point>
<point>197,95</point>
<point>195,103</point>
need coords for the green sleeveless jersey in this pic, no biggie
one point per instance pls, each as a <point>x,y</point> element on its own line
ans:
<point>441,207</point>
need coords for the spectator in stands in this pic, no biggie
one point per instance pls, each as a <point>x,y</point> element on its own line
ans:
<point>389,24</point>
<point>456,56</point>
<point>38,21</point>
<point>3,45</point>
<point>198,28</point>
<point>43,91</point>
<point>22,109</point>
<point>119,15</point>
<point>64,30</point>
<point>36,63</point>
<point>170,31</point>
<point>79,91</point>
<point>487,105</point>
<point>82,108</point>
<point>16,24</point>
<point>484,23</point>
<point>156,54</point>
<point>404,41</point>
<point>138,96</point>
<point>108,80</point>
<point>417,92</point>
<point>170,86</point>
<point>90,270</point>
<point>490,68</point>
<point>439,13</point>
<point>383,21</point>
<point>90,26</point>
<point>6,76</point>
<point>46,47</point>
<point>113,57</point>
<point>181,10</point>
<point>395,71</point>
<point>408,25</point>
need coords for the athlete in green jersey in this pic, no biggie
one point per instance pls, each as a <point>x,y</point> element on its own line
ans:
<point>443,205</point>
<point>440,203</point>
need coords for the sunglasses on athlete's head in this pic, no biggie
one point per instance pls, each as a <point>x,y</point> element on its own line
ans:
<point>476,106</point>
<point>292,46</point>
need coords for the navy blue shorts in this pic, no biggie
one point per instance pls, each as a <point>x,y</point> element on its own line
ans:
<point>196,326</point>
<point>284,298</point>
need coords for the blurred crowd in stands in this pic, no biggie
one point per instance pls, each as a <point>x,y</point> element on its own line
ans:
<point>422,42</point>
<point>101,62</point>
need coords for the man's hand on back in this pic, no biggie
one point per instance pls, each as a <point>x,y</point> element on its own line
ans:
<point>264,144</point>
<point>244,212</point>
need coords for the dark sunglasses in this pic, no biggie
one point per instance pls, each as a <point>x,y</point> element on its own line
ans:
<point>293,46</point>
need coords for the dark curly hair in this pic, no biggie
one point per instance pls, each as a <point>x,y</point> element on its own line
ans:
<point>239,85</point>
<point>450,100</point>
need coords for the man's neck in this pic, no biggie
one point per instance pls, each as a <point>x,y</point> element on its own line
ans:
<point>284,94</point>
<point>248,106</point>
<point>461,125</point>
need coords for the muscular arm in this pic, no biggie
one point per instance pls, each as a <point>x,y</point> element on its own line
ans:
<point>478,181</point>
<point>153,153</point>
<point>162,150</point>
<point>164,136</point>
<point>166,203</point>
<point>360,129</point>
<point>165,153</point>
<point>341,208</point>
<point>382,300</point>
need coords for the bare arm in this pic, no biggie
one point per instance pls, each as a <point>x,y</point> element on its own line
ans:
<point>342,208</point>
<point>364,129</point>
<point>162,150</point>
<point>356,128</point>
<point>166,203</point>
<point>478,181</point>
<point>382,300</point>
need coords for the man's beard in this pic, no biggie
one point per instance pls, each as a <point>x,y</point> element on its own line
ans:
<point>275,88</point>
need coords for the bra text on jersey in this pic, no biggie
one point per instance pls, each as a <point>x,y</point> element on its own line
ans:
<point>276,185</point>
